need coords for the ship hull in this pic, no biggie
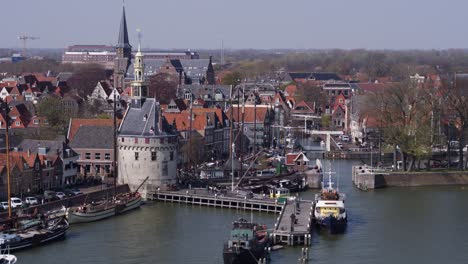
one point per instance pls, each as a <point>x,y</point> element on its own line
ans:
<point>130,205</point>
<point>242,256</point>
<point>334,226</point>
<point>79,217</point>
<point>36,240</point>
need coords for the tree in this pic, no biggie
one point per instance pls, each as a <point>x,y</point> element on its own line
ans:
<point>163,86</point>
<point>50,107</point>
<point>84,80</point>
<point>233,78</point>
<point>193,150</point>
<point>404,114</point>
<point>313,93</point>
<point>457,99</point>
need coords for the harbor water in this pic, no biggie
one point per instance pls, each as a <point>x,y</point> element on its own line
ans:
<point>393,225</point>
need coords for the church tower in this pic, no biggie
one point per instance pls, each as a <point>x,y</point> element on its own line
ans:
<point>210,73</point>
<point>123,53</point>
<point>139,84</point>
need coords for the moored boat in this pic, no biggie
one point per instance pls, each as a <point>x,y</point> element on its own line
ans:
<point>21,239</point>
<point>330,209</point>
<point>126,202</point>
<point>91,212</point>
<point>247,244</point>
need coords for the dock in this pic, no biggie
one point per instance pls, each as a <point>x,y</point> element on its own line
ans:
<point>228,200</point>
<point>293,225</point>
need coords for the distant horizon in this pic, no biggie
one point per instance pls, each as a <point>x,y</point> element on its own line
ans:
<point>241,24</point>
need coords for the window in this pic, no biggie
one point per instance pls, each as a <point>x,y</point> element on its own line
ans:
<point>107,156</point>
<point>17,123</point>
<point>107,168</point>
<point>136,140</point>
<point>137,155</point>
<point>88,168</point>
<point>87,155</point>
<point>36,121</point>
<point>97,156</point>
<point>97,168</point>
<point>147,140</point>
<point>171,155</point>
<point>153,155</point>
<point>123,139</point>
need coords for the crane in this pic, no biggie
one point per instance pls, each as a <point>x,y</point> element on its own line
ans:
<point>25,38</point>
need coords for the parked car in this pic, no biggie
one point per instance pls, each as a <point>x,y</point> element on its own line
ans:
<point>50,196</point>
<point>76,191</point>
<point>69,193</point>
<point>31,200</point>
<point>16,202</point>
<point>340,145</point>
<point>4,205</point>
<point>345,138</point>
<point>61,195</point>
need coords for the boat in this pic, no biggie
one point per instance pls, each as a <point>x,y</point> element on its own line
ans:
<point>330,209</point>
<point>247,244</point>
<point>90,212</point>
<point>37,235</point>
<point>127,201</point>
<point>8,259</point>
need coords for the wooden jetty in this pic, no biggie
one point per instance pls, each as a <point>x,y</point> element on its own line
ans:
<point>293,225</point>
<point>228,200</point>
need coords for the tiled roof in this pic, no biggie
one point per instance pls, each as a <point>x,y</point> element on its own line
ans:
<point>249,113</point>
<point>76,123</point>
<point>93,137</point>
<point>144,121</point>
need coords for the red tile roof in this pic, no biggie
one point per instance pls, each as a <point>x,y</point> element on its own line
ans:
<point>249,113</point>
<point>76,123</point>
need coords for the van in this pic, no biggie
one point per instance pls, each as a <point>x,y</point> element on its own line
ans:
<point>345,138</point>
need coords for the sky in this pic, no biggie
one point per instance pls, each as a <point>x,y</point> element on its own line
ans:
<point>240,24</point>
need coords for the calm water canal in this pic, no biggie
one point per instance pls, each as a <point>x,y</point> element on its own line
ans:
<point>393,225</point>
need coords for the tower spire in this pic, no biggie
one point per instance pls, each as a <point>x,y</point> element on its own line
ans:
<point>123,41</point>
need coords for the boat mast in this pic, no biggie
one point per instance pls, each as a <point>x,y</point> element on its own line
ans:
<point>231,142</point>
<point>115,144</point>
<point>7,146</point>
<point>242,130</point>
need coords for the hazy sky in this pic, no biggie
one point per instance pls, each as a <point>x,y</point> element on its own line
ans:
<point>200,24</point>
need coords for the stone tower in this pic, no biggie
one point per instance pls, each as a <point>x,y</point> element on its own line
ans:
<point>123,53</point>
<point>147,144</point>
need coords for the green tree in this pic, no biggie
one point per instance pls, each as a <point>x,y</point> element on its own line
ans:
<point>50,107</point>
<point>233,78</point>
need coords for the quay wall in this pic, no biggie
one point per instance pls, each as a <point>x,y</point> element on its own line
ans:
<point>74,200</point>
<point>369,180</point>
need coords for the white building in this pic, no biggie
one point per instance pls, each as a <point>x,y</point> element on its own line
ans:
<point>147,145</point>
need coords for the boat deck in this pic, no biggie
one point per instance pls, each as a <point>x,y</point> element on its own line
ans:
<point>294,225</point>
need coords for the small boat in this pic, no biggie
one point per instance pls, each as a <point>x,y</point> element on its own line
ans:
<point>330,210</point>
<point>6,257</point>
<point>126,202</point>
<point>247,244</point>
<point>21,239</point>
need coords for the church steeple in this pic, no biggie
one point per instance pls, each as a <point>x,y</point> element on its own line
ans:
<point>123,53</point>
<point>123,42</point>
<point>210,73</point>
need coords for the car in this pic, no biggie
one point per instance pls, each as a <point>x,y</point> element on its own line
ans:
<point>4,205</point>
<point>31,200</point>
<point>61,195</point>
<point>16,202</point>
<point>76,191</point>
<point>340,145</point>
<point>345,138</point>
<point>69,193</point>
<point>49,195</point>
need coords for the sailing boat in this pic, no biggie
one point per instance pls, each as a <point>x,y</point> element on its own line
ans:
<point>330,210</point>
<point>118,204</point>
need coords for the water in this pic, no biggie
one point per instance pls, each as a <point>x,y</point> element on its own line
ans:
<point>393,225</point>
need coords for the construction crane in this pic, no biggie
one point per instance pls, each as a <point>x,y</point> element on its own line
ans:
<point>25,38</point>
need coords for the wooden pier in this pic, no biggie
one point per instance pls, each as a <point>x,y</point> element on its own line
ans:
<point>205,198</point>
<point>294,224</point>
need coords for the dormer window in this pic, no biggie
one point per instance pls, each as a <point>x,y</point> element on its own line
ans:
<point>145,117</point>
